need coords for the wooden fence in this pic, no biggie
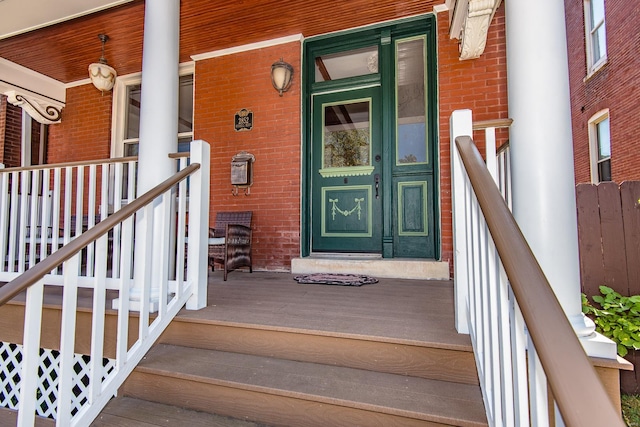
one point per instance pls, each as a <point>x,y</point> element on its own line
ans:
<point>609,236</point>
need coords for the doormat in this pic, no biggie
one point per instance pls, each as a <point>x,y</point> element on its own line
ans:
<point>336,279</point>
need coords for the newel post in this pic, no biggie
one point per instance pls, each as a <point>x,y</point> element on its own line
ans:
<point>197,253</point>
<point>460,125</point>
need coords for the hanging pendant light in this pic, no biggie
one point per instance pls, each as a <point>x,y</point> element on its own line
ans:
<point>102,75</point>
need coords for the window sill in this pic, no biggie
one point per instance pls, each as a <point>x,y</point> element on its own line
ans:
<point>595,69</point>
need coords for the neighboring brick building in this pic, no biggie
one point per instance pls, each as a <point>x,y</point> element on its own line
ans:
<point>604,73</point>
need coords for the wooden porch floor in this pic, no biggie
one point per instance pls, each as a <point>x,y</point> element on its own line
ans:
<point>396,310</point>
<point>405,311</point>
<point>402,312</point>
<point>397,313</point>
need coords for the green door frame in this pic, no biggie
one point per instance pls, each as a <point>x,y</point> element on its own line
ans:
<point>383,36</point>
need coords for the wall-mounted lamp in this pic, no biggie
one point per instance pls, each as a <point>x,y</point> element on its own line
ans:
<point>281,76</point>
<point>102,75</point>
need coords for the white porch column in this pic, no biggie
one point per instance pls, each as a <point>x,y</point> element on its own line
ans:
<point>158,119</point>
<point>543,185</point>
<point>159,95</point>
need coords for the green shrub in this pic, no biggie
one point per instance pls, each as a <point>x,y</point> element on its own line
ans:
<point>631,409</point>
<point>618,318</point>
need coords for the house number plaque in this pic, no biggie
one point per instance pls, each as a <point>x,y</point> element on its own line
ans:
<point>243,120</point>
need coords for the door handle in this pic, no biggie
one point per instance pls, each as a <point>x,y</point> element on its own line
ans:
<point>376,178</point>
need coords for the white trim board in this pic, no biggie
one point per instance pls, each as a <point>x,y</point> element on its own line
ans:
<point>248,47</point>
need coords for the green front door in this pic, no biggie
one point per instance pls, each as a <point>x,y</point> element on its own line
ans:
<point>346,172</point>
<point>370,153</point>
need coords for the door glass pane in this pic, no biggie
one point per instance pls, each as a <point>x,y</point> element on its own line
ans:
<point>347,134</point>
<point>185,104</point>
<point>604,170</point>
<point>604,140</point>
<point>411,132</point>
<point>131,149</point>
<point>352,63</point>
<point>184,144</point>
<point>598,43</point>
<point>185,116</point>
<point>597,12</point>
<point>132,126</point>
<point>597,29</point>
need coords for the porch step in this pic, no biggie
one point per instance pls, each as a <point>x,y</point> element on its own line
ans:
<point>129,412</point>
<point>285,392</point>
<point>396,268</point>
<point>9,417</point>
<point>270,350</point>
<point>444,361</point>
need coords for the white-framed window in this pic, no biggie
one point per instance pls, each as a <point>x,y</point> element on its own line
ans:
<point>125,130</point>
<point>596,36</point>
<point>600,147</point>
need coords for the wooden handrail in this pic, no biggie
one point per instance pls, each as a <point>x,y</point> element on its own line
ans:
<point>71,164</point>
<point>576,388</point>
<point>38,271</point>
<point>503,147</point>
<point>179,155</point>
<point>496,123</point>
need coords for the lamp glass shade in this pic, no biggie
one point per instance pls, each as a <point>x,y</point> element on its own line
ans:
<point>102,76</point>
<point>281,76</point>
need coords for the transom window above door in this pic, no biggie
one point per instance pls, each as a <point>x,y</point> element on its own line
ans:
<point>350,63</point>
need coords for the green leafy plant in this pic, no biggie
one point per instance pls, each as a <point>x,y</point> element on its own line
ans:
<point>631,409</point>
<point>618,317</point>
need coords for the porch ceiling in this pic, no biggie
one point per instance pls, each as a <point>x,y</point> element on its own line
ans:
<point>27,15</point>
<point>63,51</point>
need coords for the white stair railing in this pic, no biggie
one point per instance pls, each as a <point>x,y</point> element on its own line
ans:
<point>497,155</point>
<point>81,268</point>
<point>532,368</point>
<point>44,207</point>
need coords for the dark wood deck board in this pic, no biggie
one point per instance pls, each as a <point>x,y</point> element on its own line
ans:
<point>412,310</point>
<point>129,412</point>
<point>389,393</point>
<point>397,309</point>
<point>9,417</point>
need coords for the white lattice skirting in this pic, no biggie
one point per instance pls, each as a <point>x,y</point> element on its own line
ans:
<point>10,362</point>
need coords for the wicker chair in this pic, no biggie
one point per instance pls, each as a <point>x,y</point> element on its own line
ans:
<point>230,241</point>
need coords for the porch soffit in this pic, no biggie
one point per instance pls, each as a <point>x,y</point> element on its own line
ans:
<point>469,22</point>
<point>64,50</point>
<point>27,15</point>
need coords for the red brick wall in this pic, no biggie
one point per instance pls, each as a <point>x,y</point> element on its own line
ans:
<point>225,85</point>
<point>85,130</point>
<point>35,142</point>
<point>3,122</point>
<point>615,86</point>
<point>12,136</point>
<point>477,84</point>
